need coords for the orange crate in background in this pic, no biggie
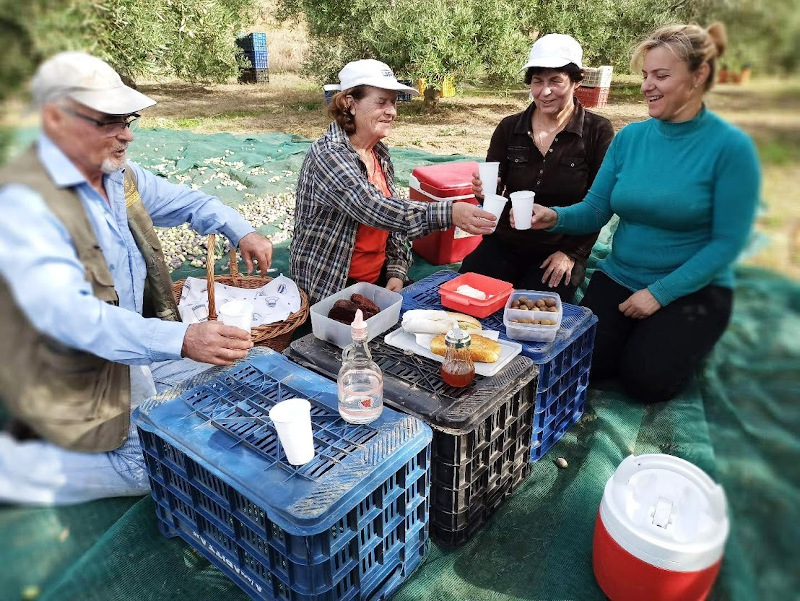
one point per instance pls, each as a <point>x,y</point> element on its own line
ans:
<point>592,97</point>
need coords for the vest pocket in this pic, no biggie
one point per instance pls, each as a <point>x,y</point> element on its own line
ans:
<point>99,276</point>
<point>72,393</point>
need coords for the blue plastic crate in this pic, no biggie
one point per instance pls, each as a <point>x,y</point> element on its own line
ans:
<point>350,524</point>
<point>563,363</point>
<point>252,42</point>
<point>258,59</point>
<point>571,412</point>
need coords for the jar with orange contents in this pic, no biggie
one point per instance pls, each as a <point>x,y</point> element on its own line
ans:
<point>457,368</point>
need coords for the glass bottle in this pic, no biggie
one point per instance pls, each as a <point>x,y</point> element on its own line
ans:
<point>457,368</point>
<point>360,380</point>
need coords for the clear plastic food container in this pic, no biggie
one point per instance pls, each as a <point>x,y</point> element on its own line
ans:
<point>539,332</point>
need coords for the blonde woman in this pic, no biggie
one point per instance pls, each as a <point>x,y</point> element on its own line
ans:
<point>685,185</point>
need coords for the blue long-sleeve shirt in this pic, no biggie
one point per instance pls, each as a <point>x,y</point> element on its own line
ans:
<point>686,195</point>
<point>39,262</point>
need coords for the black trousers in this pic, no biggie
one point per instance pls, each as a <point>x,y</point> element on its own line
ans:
<point>520,267</point>
<point>654,358</point>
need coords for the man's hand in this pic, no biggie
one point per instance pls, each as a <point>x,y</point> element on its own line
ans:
<point>214,342</point>
<point>472,219</point>
<point>558,265</point>
<point>640,304</point>
<point>394,284</point>
<point>256,247</point>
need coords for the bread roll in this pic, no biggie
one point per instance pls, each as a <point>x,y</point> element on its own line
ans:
<point>432,321</point>
<point>481,349</point>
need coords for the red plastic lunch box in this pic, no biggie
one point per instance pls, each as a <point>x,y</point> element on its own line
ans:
<point>660,532</point>
<point>444,181</point>
<point>497,293</point>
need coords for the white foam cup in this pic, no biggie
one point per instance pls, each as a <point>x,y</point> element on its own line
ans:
<point>522,205</point>
<point>292,420</point>
<point>488,173</point>
<point>494,204</point>
<point>237,313</point>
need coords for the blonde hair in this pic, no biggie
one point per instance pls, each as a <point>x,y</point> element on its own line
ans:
<point>690,43</point>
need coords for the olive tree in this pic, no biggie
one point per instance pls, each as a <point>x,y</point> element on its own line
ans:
<point>189,39</point>
<point>487,39</point>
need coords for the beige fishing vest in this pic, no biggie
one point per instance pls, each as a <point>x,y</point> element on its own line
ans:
<point>73,398</point>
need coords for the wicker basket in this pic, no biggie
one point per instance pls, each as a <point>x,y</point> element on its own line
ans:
<point>276,336</point>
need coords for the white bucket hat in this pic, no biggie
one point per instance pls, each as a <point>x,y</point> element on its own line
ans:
<point>87,80</point>
<point>369,72</point>
<point>555,50</point>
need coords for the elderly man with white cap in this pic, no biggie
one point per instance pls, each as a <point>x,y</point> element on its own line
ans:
<point>350,223</point>
<point>553,148</point>
<point>86,303</point>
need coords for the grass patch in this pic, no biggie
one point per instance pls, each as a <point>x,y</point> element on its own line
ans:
<point>778,147</point>
<point>625,93</point>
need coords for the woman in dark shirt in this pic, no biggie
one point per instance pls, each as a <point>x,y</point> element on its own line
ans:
<point>554,148</point>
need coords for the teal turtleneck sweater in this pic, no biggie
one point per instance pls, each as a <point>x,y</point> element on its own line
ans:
<point>686,196</point>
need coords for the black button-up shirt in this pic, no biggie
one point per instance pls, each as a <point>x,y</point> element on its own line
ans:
<point>560,177</point>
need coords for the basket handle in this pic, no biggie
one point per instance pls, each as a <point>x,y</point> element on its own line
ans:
<point>210,260</point>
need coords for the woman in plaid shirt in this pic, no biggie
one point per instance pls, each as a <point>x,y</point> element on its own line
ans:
<point>350,226</point>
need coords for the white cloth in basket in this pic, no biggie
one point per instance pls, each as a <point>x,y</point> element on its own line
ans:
<point>272,302</point>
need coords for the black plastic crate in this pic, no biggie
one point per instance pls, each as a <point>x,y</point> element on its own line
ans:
<point>405,96</point>
<point>253,75</point>
<point>480,432</point>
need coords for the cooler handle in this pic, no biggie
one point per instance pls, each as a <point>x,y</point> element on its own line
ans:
<point>633,464</point>
<point>413,182</point>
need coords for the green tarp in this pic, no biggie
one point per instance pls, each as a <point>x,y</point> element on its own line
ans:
<point>739,422</point>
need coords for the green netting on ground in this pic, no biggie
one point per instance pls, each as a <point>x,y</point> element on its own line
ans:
<point>739,422</point>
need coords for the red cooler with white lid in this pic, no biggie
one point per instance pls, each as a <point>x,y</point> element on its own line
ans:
<point>660,531</point>
<point>444,181</point>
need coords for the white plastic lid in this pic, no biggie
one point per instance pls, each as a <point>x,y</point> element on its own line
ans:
<point>358,328</point>
<point>666,511</point>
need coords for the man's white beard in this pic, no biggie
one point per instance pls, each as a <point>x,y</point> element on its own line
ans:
<point>112,166</point>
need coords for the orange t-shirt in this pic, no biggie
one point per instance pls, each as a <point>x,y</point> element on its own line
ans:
<point>369,253</point>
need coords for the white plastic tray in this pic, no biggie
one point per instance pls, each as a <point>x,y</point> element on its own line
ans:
<point>407,341</point>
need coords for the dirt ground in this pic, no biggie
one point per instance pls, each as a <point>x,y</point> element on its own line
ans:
<point>462,124</point>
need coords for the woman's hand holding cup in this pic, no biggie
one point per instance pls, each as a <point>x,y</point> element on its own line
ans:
<point>473,219</point>
<point>542,218</point>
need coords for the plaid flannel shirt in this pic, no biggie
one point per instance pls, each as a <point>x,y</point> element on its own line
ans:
<point>334,197</point>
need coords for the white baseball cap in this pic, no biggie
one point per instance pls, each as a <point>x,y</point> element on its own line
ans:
<point>369,72</point>
<point>555,50</point>
<point>87,80</point>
